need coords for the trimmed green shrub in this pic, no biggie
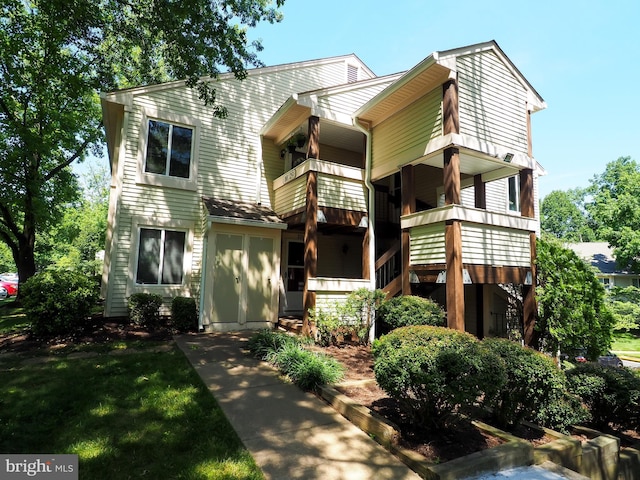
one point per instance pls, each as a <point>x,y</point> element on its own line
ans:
<point>612,395</point>
<point>184,314</point>
<point>58,302</point>
<point>533,383</point>
<point>409,310</point>
<point>144,309</point>
<point>434,372</point>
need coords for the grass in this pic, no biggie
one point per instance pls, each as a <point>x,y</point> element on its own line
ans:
<point>11,319</point>
<point>142,415</point>
<point>627,344</point>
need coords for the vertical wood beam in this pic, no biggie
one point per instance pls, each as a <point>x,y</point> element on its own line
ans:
<point>310,248</point>
<point>408,192</point>
<point>366,264</point>
<point>451,172</point>
<point>480,191</point>
<point>454,283</point>
<point>450,115</point>
<point>313,150</point>
<point>527,203</point>
<point>480,310</point>
<point>529,304</point>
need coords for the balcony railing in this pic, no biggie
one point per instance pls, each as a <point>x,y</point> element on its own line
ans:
<point>488,238</point>
<point>339,186</point>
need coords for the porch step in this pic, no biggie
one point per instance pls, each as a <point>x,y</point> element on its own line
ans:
<point>290,324</point>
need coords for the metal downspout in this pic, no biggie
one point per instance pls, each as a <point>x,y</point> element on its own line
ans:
<point>372,215</point>
<point>203,274</point>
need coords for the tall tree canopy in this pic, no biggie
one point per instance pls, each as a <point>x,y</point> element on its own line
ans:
<point>56,55</point>
<point>562,215</point>
<point>573,313</point>
<point>615,209</point>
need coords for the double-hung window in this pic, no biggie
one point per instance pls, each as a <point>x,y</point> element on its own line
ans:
<point>169,149</point>
<point>161,257</point>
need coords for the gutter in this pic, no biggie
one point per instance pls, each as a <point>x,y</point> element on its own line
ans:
<point>372,216</point>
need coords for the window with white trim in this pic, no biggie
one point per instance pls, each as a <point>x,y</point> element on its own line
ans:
<point>514,193</point>
<point>161,255</point>
<point>169,149</point>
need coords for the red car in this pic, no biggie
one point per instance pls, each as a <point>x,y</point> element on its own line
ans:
<point>10,287</point>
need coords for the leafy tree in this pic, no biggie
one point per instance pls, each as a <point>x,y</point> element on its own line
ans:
<point>615,208</point>
<point>573,312</point>
<point>562,215</point>
<point>624,303</point>
<point>55,56</point>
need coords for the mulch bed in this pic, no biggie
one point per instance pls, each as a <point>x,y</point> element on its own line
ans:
<point>437,446</point>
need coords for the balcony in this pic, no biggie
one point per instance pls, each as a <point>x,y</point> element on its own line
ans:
<point>487,238</point>
<point>338,187</point>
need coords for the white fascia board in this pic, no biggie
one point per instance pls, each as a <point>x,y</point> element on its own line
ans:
<point>346,285</point>
<point>290,102</point>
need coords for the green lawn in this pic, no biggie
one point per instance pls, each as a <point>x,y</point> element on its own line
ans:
<point>11,319</point>
<point>627,342</point>
<point>140,415</point>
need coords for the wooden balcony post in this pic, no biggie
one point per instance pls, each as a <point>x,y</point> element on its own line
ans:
<point>450,115</point>
<point>310,247</point>
<point>529,303</point>
<point>454,283</point>
<point>480,191</point>
<point>451,173</point>
<point>313,150</point>
<point>408,206</point>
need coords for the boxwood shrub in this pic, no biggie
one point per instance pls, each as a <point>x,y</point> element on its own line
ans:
<point>58,302</point>
<point>144,309</point>
<point>434,372</point>
<point>612,395</point>
<point>409,310</point>
<point>533,384</point>
<point>184,314</point>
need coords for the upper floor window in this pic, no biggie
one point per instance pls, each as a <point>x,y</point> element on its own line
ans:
<point>168,149</point>
<point>514,193</point>
<point>160,257</point>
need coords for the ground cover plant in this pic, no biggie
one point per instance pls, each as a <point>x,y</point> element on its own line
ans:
<point>305,368</point>
<point>142,415</point>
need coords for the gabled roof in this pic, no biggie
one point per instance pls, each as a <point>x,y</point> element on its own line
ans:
<point>430,73</point>
<point>599,255</point>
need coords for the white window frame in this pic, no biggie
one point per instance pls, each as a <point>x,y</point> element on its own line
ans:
<point>164,180</point>
<point>164,290</point>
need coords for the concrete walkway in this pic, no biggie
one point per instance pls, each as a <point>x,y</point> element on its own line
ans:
<point>290,434</point>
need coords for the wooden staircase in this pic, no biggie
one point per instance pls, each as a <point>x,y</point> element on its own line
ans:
<point>388,270</point>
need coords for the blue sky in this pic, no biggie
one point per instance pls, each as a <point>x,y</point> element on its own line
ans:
<point>583,58</point>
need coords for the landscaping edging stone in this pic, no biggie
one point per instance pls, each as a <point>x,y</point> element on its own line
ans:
<point>514,453</point>
<point>598,458</point>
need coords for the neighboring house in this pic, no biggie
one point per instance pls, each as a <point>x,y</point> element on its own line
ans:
<point>420,182</point>
<point>600,256</point>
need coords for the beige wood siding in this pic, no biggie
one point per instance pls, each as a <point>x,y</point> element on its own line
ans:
<point>346,103</point>
<point>492,102</point>
<point>291,195</point>
<point>228,157</point>
<point>404,136</point>
<point>342,193</point>
<point>491,245</point>
<point>427,245</point>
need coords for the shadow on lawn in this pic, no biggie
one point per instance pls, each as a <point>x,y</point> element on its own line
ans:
<point>139,415</point>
